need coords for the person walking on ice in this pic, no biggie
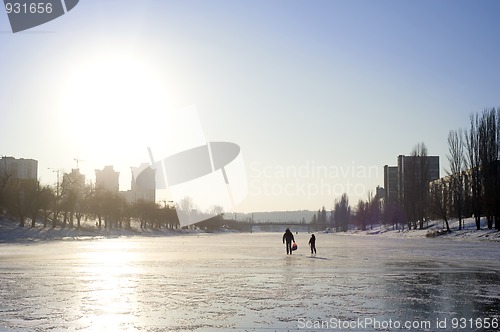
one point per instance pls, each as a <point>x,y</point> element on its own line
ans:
<point>312,244</point>
<point>288,238</point>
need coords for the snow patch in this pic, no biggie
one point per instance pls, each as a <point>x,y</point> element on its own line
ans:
<point>436,228</point>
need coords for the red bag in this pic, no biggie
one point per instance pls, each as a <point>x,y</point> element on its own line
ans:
<point>294,246</point>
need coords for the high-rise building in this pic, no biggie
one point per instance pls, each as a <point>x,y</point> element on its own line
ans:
<point>409,170</point>
<point>391,183</point>
<point>107,179</point>
<point>143,186</point>
<point>20,169</point>
<point>415,169</point>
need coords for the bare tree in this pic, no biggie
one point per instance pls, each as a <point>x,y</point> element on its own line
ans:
<point>112,209</point>
<point>82,204</point>
<point>456,159</point>
<point>186,209</point>
<point>67,206</point>
<point>342,213</point>
<point>474,164</point>
<point>361,218</point>
<point>439,200</point>
<point>368,212</point>
<point>322,219</point>
<point>420,153</point>
<point>314,221</point>
<point>47,197</point>
<point>16,201</point>
<point>415,189</point>
<point>394,215</point>
<point>4,180</point>
<point>33,200</point>
<point>144,212</point>
<point>488,155</point>
<point>60,202</point>
<point>96,209</point>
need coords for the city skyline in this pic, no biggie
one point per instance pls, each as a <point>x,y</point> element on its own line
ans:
<point>300,87</point>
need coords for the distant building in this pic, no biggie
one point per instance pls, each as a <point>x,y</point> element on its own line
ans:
<point>20,169</point>
<point>409,168</point>
<point>143,185</point>
<point>380,192</point>
<point>390,183</point>
<point>107,179</point>
<point>413,168</point>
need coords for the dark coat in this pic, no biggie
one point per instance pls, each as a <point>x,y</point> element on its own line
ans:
<point>312,240</point>
<point>288,236</point>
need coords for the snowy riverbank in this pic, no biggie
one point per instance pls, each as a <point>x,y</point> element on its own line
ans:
<point>436,229</point>
<point>10,231</point>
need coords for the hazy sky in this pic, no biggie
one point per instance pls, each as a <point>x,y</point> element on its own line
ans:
<point>318,94</point>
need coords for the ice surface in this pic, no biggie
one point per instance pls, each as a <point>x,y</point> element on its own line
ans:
<point>242,281</point>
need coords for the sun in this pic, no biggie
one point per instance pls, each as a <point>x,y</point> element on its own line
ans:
<point>111,105</point>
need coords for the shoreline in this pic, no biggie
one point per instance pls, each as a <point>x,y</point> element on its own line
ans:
<point>436,231</point>
<point>11,232</point>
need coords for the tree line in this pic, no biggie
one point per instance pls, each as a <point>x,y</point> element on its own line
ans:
<point>70,205</point>
<point>470,189</point>
<point>365,214</point>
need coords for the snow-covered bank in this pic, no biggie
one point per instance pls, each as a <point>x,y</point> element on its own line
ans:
<point>10,231</point>
<point>437,229</point>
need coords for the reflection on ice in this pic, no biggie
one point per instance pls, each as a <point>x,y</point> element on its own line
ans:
<point>241,281</point>
<point>107,282</point>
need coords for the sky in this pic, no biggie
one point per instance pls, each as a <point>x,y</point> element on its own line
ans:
<point>319,95</point>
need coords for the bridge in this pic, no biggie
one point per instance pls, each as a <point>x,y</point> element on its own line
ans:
<point>281,227</point>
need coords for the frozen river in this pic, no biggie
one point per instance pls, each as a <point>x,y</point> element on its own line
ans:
<point>247,282</point>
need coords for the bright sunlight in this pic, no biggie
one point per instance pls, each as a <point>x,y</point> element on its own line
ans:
<point>112,104</point>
